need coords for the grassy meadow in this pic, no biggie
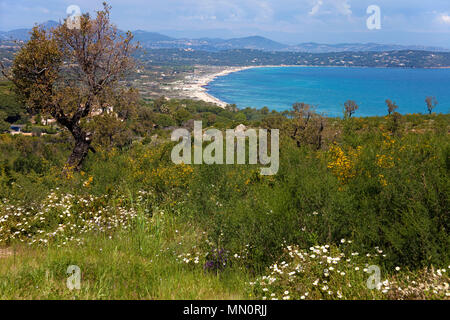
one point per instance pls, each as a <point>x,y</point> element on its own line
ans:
<point>373,193</point>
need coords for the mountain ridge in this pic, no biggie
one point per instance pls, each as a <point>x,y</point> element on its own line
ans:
<point>156,40</point>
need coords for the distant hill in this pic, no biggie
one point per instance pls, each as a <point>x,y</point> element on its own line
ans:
<point>150,37</point>
<point>208,44</point>
<point>18,34</point>
<point>265,44</point>
<point>24,34</point>
<point>153,40</point>
<point>255,42</point>
<point>313,47</point>
<point>248,57</point>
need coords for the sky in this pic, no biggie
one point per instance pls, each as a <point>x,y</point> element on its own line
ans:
<point>407,22</point>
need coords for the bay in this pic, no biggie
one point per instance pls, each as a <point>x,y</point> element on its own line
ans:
<point>328,88</point>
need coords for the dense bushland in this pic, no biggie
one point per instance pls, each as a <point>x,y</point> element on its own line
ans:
<point>382,192</point>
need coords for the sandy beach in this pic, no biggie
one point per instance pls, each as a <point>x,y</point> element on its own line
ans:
<point>193,84</point>
<point>196,84</point>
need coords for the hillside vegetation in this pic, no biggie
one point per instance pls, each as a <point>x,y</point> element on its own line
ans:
<point>373,193</point>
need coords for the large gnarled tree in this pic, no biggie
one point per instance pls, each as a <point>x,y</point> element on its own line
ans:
<point>306,126</point>
<point>71,74</point>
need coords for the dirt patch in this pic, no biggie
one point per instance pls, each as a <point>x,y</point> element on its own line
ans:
<point>5,252</point>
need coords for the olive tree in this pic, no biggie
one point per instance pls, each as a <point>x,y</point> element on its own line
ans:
<point>431,103</point>
<point>392,106</point>
<point>350,108</point>
<point>306,126</point>
<point>72,74</point>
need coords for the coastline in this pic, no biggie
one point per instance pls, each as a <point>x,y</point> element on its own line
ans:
<point>198,88</point>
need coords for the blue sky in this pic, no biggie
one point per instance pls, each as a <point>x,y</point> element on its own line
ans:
<point>422,22</point>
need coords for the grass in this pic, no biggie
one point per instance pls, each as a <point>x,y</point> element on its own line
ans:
<point>140,227</point>
<point>136,264</point>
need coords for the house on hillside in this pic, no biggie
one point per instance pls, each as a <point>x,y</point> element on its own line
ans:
<point>18,129</point>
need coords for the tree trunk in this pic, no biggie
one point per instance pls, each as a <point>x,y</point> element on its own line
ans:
<point>319,144</point>
<point>80,150</point>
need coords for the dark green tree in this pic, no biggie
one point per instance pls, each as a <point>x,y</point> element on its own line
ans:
<point>4,126</point>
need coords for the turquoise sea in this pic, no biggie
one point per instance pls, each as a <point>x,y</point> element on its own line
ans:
<point>329,87</point>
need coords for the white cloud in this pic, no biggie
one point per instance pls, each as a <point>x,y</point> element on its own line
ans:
<point>445,18</point>
<point>331,7</point>
<point>343,6</point>
<point>316,7</point>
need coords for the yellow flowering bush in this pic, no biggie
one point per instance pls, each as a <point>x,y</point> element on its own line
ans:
<point>343,164</point>
<point>385,161</point>
<point>88,182</point>
<point>388,141</point>
<point>150,167</point>
<point>386,158</point>
<point>173,176</point>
